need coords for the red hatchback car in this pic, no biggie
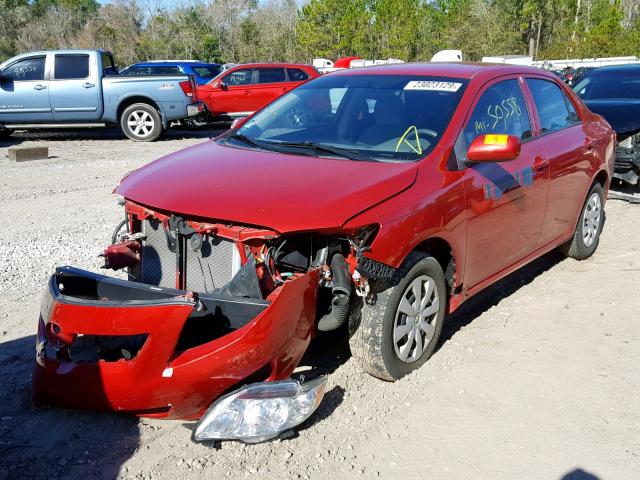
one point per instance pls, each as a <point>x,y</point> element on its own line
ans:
<point>245,89</point>
<point>372,200</point>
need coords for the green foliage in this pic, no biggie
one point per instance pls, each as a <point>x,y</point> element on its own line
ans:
<point>282,30</point>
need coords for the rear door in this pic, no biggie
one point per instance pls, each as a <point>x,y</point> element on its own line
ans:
<point>272,83</point>
<point>75,88</point>
<point>505,201</point>
<point>568,148</point>
<point>24,91</point>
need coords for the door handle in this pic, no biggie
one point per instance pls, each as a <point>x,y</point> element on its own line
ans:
<point>88,85</point>
<point>285,90</point>
<point>40,87</point>
<point>540,164</point>
<point>247,92</point>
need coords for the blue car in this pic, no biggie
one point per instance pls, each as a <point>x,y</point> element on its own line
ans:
<point>203,72</point>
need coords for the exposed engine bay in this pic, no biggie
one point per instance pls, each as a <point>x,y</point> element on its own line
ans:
<point>206,307</point>
<point>627,164</point>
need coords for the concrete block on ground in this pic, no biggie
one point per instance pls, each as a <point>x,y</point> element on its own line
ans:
<point>23,154</point>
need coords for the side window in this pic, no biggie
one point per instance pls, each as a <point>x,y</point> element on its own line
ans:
<point>27,69</point>
<point>550,103</point>
<point>501,109</point>
<point>271,75</point>
<point>69,67</point>
<point>238,77</point>
<point>136,71</point>
<point>164,70</point>
<point>573,114</point>
<point>297,75</point>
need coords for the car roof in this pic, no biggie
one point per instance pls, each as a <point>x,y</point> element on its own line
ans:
<point>266,65</point>
<point>618,68</point>
<point>159,63</point>
<point>467,70</point>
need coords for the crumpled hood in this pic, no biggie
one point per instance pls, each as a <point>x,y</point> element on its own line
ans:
<point>279,191</point>
<point>622,114</point>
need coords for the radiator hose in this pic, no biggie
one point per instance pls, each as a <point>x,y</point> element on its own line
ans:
<point>341,291</point>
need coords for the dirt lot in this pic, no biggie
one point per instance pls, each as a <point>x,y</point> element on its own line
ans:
<point>538,378</point>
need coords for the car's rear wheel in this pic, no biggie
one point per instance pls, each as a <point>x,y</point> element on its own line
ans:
<point>587,235</point>
<point>397,330</point>
<point>141,122</point>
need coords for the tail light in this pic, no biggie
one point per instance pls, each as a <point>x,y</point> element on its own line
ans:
<point>187,88</point>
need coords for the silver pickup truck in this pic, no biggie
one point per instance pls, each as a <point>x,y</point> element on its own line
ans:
<point>81,88</point>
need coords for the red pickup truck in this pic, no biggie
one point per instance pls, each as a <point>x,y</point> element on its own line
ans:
<point>372,201</point>
<point>244,89</point>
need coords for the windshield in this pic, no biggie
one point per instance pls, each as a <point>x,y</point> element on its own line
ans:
<point>360,117</point>
<point>206,71</point>
<point>609,84</point>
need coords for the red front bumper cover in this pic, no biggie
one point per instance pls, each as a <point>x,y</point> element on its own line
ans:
<point>151,370</point>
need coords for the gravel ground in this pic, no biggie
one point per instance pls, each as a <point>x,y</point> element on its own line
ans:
<point>536,378</point>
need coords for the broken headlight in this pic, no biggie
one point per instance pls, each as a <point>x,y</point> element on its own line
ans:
<point>260,411</point>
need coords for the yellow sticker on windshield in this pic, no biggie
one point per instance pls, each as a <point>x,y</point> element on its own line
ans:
<point>493,139</point>
<point>403,138</point>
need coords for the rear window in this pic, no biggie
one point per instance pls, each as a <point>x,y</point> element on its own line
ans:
<point>71,66</point>
<point>271,75</point>
<point>297,75</point>
<point>206,71</point>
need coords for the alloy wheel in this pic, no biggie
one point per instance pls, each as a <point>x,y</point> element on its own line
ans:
<point>591,219</point>
<point>141,123</point>
<point>415,319</point>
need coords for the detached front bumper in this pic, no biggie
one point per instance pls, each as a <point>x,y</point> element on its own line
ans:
<point>110,344</point>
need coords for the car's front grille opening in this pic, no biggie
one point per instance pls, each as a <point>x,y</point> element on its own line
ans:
<point>209,265</point>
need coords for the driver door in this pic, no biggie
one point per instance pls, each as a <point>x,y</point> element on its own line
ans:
<point>24,92</point>
<point>234,96</point>
<point>505,201</point>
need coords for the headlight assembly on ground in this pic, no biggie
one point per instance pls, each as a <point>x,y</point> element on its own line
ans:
<point>260,411</point>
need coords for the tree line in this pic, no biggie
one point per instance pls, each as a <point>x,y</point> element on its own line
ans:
<point>242,31</point>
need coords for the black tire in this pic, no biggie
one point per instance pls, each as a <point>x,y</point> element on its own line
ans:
<point>372,322</point>
<point>582,245</point>
<point>141,122</point>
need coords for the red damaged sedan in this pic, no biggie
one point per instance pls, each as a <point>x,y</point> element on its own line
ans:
<point>372,200</point>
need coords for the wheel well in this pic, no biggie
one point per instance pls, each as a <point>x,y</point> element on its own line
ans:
<point>137,99</point>
<point>441,251</point>
<point>602,178</point>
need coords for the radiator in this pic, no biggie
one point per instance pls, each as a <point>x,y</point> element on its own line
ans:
<point>211,267</point>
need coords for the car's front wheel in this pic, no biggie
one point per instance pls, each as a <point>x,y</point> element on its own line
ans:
<point>141,122</point>
<point>397,330</point>
<point>587,234</point>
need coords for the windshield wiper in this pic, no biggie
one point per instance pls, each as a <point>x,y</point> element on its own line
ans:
<point>248,140</point>
<point>340,152</point>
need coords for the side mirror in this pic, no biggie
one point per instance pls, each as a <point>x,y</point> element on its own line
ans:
<point>4,79</point>
<point>219,84</point>
<point>494,148</point>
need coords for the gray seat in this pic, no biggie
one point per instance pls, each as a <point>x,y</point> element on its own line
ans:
<point>390,121</point>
